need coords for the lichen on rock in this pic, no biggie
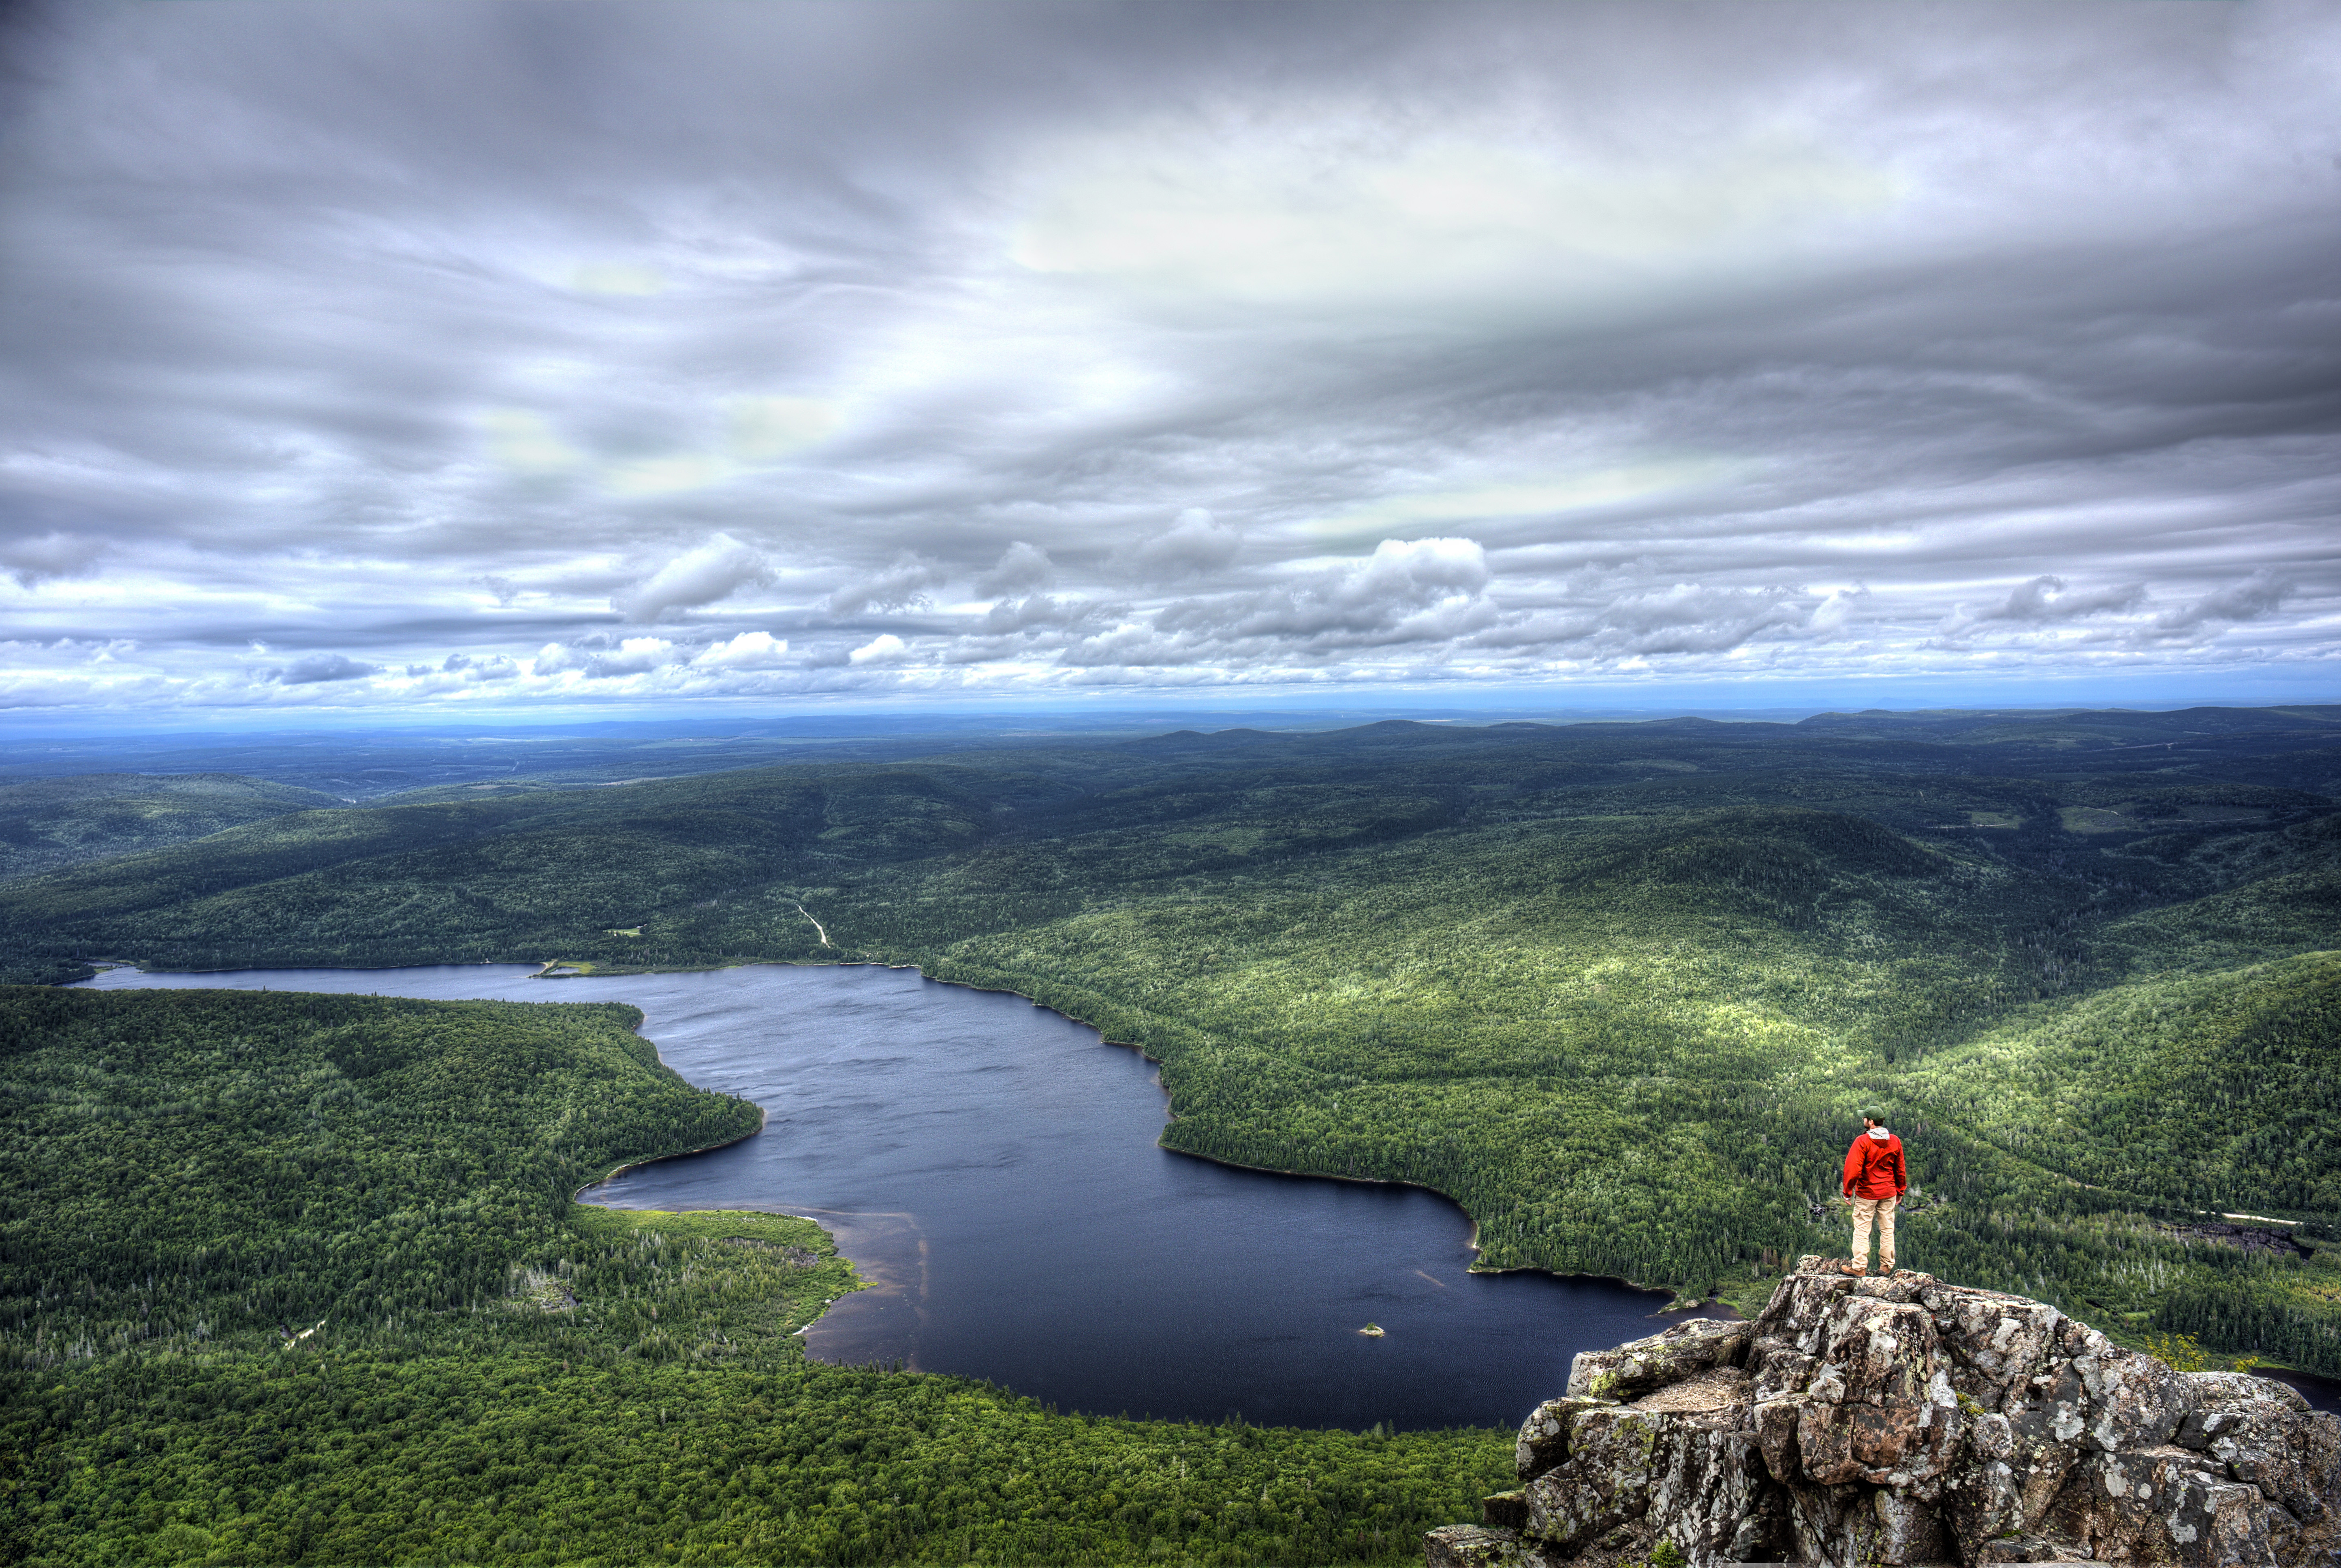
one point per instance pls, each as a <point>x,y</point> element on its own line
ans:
<point>1877,1422</point>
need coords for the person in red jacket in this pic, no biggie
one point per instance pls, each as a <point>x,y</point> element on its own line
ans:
<point>1875,1179</point>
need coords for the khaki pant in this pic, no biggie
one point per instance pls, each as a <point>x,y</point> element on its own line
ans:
<point>1883,1208</point>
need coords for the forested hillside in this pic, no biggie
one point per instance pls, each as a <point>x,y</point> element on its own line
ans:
<point>47,824</point>
<point>1617,988</point>
<point>288,1277</point>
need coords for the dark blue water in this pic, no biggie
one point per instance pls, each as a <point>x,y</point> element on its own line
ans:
<point>992,1167</point>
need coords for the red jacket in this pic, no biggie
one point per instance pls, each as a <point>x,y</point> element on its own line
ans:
<point>1873,1166</point>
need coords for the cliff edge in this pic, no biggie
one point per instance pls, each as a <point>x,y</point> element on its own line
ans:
<point>1863,1423</point>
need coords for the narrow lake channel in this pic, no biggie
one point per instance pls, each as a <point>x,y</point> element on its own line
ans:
<point>993,1166</point>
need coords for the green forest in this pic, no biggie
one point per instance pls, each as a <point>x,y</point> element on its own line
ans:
<point>49,822</point>
<point>296,1278</point>
<point>1618,989</point>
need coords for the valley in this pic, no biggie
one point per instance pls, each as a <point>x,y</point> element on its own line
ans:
<point>1616,989</point>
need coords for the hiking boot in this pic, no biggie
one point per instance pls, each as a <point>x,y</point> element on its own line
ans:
<point>1850,1267</point>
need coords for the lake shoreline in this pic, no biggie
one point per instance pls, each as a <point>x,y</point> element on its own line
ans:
<point>549,969</point>
<point>2323,1390</point>
<point>764,1120</point>
<point>1170,1114</point>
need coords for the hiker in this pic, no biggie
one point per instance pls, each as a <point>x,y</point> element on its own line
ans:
<point>1875,1179</point>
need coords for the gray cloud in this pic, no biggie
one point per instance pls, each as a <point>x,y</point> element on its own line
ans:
<point>2257,595</point>
<point>1195,544</point>
<point>35,560</point>
<point>312,669</point>
<point>471,669</point>
<point>2046,599</point>
<point>1681,618</point>
<point>900,585</point>
<point>715,570</point>
<point>1037,610</point>
<point>1020,568</point>
<point>1498,341</point>
<point>1425,590</point>
<point>602,658</point>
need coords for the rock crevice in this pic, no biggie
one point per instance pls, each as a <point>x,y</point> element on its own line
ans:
<point>1887,1421</point>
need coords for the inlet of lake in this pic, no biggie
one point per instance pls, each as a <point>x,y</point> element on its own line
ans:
<point>992,1168</point>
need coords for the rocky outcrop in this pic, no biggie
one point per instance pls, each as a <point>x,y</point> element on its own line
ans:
<point>1877,1422</point>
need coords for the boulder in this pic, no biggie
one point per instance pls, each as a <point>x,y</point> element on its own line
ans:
<point>1614,1456</point>
<point>1544,1436</point>
<point>1709,1482</point>
<point>1910,1444</point>
<point>1474,1547</point>
<point>2162,1505</point>
<point>1692,1346</point>
<point>1875,1422</point>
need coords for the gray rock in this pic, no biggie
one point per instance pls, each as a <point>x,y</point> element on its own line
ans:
<point>1824,1521</point>
<point>1709,1482</point>
<point>2320,1459</point>
<point>1685,1349</point>
<point>1902,1529</point>
<point>2214,1389</point>
<point>2275,1451</point>
<point>1997,1342</point>
<point>1615,1455</point>
<point>1768,1533</point>
<point>1982,1506</point>
<point>2163,1505</point>
<point>1775,1437</point>
<point>1776,1368</point>
<point>1877,1422</point>
<point>1505,1511</point>
<point>2134,1401</point>
<point>1472,1546</point>
<point>1876,1352</point>
<point>1544,1436</point>
<point>1799,1302</point>
<point>2223,1403</point>
<point>1909,1444</point>
<point>2024,1549</point>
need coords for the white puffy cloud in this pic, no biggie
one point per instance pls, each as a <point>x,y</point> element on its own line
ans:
<point>629,656</point>
<point>748,651</point>
<point>883,649</point>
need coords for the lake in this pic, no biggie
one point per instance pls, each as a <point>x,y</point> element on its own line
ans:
<point>992,1167</point>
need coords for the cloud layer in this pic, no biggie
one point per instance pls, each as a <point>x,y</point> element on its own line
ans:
<point>381,354</point>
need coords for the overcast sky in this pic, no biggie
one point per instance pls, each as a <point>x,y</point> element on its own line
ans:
<point>456,355</point>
